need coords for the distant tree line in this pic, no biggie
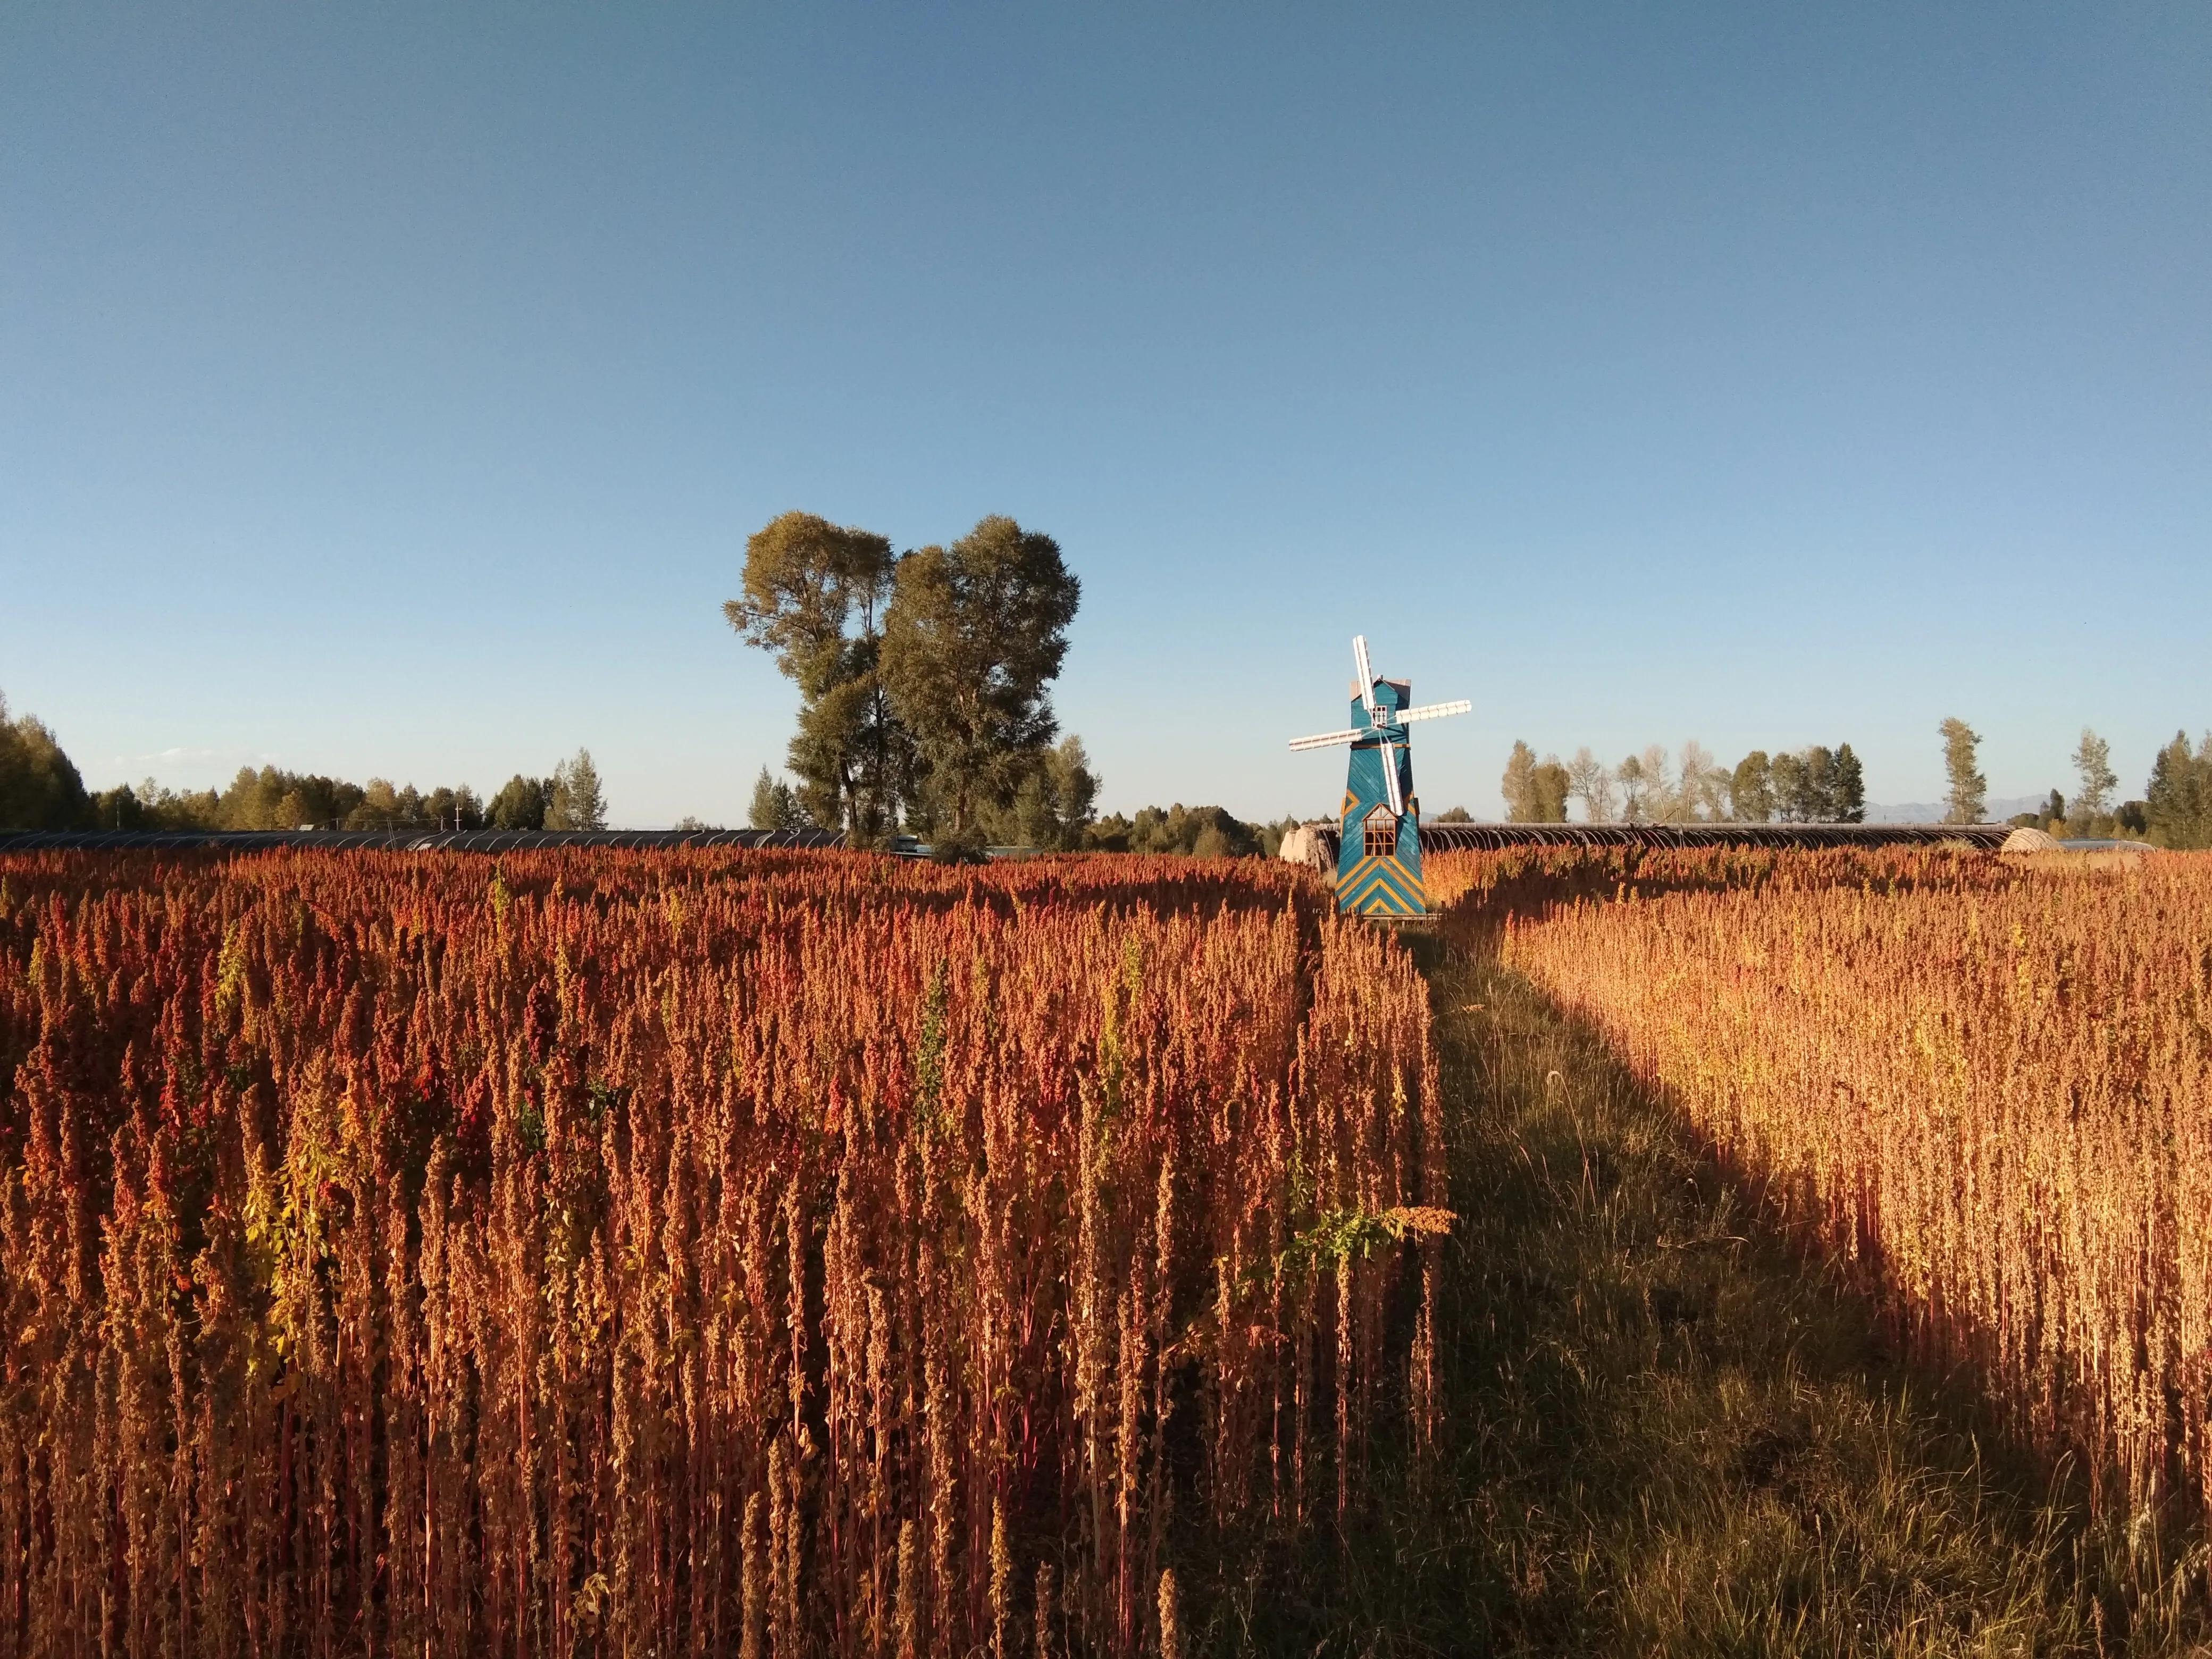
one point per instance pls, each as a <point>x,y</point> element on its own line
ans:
<point>40,789</point>
<point>1205,832</point>
<point>2175,809</point>
<point>1053,809</point>
<point>1815,785</point>
<point>2178,802</point>
<point>1053,813</point>
<point>1819,785</point>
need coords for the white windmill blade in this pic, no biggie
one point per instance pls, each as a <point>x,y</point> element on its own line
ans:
<point>1324,739</point>
<point>1388,753</point>
<point>1436,711</point>
<point>1366,674</point>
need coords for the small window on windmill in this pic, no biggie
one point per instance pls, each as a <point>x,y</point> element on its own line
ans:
<point>1381,837</point>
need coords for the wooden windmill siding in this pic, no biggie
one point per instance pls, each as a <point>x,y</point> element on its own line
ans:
<point>1378,861</point>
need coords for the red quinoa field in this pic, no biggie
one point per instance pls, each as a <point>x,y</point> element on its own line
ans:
<point>756,1254</point>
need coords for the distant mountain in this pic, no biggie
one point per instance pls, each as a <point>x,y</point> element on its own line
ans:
<point>1921,812</point>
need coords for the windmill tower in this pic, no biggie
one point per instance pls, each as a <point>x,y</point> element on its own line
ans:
<point>1378,850</point>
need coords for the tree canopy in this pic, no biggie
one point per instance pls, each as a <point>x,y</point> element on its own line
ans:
<point>520,803</point>
<point>576,800</point>
<point>816,595</point>
<point>39,787</point>
<point>1207,832</point>
<point>1968,791</point>
<point>923,678</point>
<point>1054,804</point>
<point>775,805</point>
<point>1751,788</point>
<point>2092,764</point>
<point>2178,801</point>
<point>973,637</point>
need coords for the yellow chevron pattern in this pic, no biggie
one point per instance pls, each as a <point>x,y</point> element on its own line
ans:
<point>1382,886</point>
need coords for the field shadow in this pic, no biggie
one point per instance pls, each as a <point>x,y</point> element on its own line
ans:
<point>1666,1429</point>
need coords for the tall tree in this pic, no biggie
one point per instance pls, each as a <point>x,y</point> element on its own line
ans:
<point>1547,792</point>
<point>1589,782</point>
<point>2093,761</point>
<point>1847,787</point>
<point>973,638</point>
<point>1820,802</point>
<point>816,595</point>
<point>40,787</point>
<point>1518,786</point>
<point>1792,789</point>
<point>2178,802</point>
<point>520,803</point>
<point>1968,791</point>
<point>1056,802</point>
<point>1072,787</point>
<point>1750,789</point>
<point>775,805</point>
<point>576,800</point>
<point>1663,802</point>
<point>1635,788</point>
<point>1703,786</point>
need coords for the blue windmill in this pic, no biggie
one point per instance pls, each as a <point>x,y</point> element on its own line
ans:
<point>1378,850</point>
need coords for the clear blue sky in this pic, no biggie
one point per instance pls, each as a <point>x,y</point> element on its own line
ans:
<point>390,390</point>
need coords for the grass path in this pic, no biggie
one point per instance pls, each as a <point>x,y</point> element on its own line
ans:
<point>1667,1433</point>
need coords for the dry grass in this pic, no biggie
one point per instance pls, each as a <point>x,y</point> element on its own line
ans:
<point>1667,1431</point>
<point>1992,1099</point>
